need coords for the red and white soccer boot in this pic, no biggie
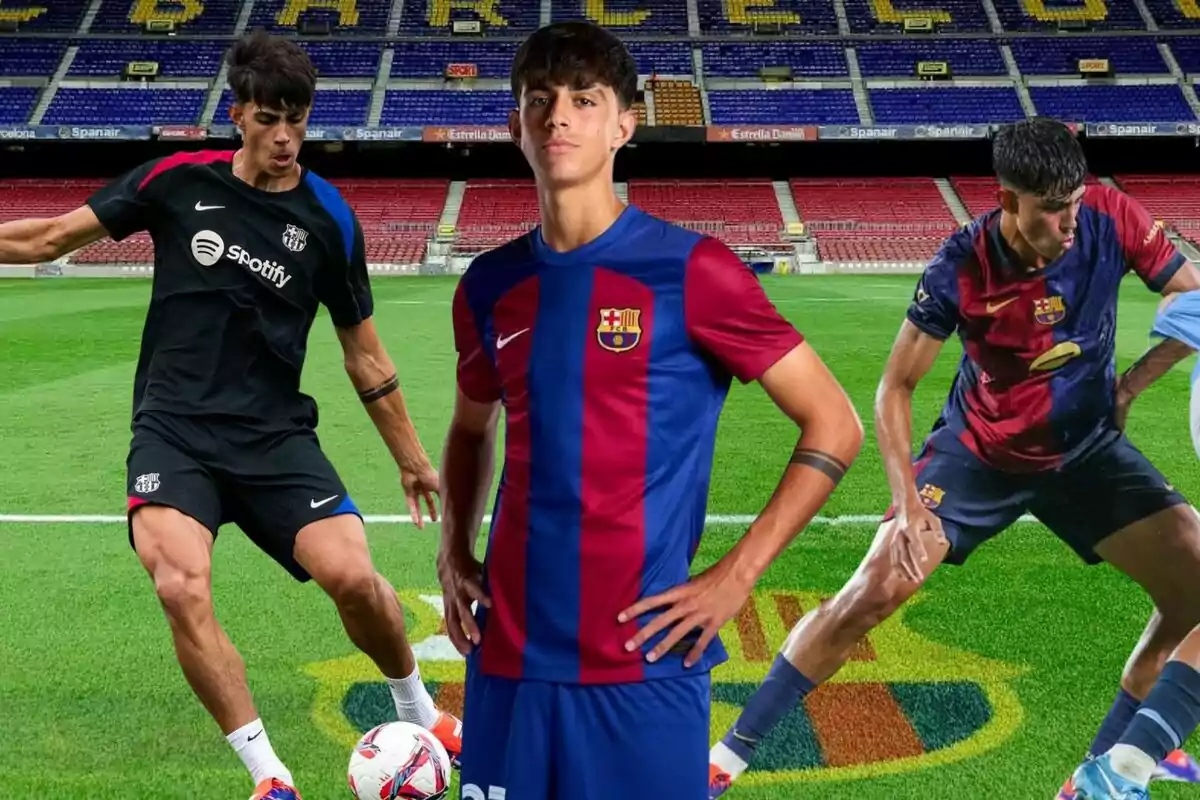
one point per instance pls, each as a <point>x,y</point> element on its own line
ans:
<point>448,730</point>
<point>274,789</point>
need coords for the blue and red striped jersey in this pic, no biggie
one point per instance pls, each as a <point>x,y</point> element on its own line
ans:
<point>1036,384</point>
<point>613,362</point>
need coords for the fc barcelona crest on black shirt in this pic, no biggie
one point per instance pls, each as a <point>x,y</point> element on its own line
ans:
<point>295,238</point>
<point>619,329</point>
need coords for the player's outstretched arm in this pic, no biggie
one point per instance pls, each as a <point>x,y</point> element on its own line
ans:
<point>33,241</point>
<point>1178,323</point>
<point>374,377</point>
<point>467,465</point>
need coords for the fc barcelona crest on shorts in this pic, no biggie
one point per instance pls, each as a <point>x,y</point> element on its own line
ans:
<point>1049,310</point>
<point>294,238</point>
<point>619,329</point>
<point>932,495</point>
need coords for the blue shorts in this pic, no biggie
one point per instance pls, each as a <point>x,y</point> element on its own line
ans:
<point>534,740</point>
<point>1107,488</point>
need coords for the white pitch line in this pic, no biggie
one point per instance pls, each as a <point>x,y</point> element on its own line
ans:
<point>400,519</point>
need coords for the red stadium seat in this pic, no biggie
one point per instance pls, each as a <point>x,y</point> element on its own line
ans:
<point>736,212</point>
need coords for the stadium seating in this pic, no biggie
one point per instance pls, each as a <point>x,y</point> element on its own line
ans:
<point>127,16</point>
<point>495,211</point>
<point>887,16</point>
<point>1170,14</point>
<point>108,57</point>
<point>662,58</point>
<point>1187,53</point>
<point>16,103</point>
<point>509,16</point>
<point>744,59</point>
<point>46,17</point>
<point>343,16</point>
<point>1102,103</point>
<point>1018,15</point>
<point>642,16</point>
<point>74,106</point>
<point>945,104</point>
<point>794,16</point>
<point>437,107</point>
<point>1172,198</point>
<point>398,217</point>
<point>344,59</point>
<point>1061,55</point>
<point>977,194</point>
<point>677,103</point>
<point>429,59</point>
<point>330,107</point>
<point>965,57</point>
<point>885,219</point>
<point>18,58</point>
<point>736,212</point>
<point>785,106</point>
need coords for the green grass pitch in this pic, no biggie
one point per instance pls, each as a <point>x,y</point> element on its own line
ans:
<point>994,680</point>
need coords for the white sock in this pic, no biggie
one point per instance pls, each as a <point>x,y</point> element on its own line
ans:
<point>727,760</point>
<point>1130,762</point>
<point>413,703</point>
<point>253,747</point>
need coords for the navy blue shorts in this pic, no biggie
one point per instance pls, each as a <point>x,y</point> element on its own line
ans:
<point>1087,500</point>
<point>534,740</point>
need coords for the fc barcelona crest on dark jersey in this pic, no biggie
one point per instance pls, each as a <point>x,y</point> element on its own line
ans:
<point>619,329</point>
<point>1049,310</point>
<point>294,238</point>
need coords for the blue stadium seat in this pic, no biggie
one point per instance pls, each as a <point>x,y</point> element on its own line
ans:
<point>1170,14</point>
<point>743,59</point>
<point>1060,55</point>
<point>1107,103</point>
<point>662,58</point>
<point>44,17</point>
<point>965,56</point>
<point>16,104</point>
<point>512,16</point>
<point>108,57</point>
<point>1118,15</point>
<point>330,107</point>
<point>429,59</point>
<point>1187,53</point>
<point>887,16</point>
<point>435,107</point>
<point>344,59</point>
<point>18,58</point>
<point>666,16</point>
<point>945,104</point>
<point>124,16</point>
<point>351,16</point>
<point>784,107</point>
<point>72,106</point>
<point>809,16</point>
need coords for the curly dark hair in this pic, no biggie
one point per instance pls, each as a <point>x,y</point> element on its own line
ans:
<point>576,54</point>
<point>1039,156</point>
<point>272,71</point>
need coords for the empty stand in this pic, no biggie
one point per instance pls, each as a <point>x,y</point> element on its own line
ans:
<point>887,16</point>
<point>1018,15</point>
<point>794,16</point>
<point>330,107</point>
<point>1103,103</point>
<point>736,212</point>
<point>45,17</point>
<point>783,107</point>
<point>429,59</point>
<point>642,16</point>
<point>176,58</point>
<point>1170,14</point>
<point>977,194</point>
<point>127,16</point>
<point>744,60</point>
<point>663,58</point>
<point>16,103</point>
<point>344,59</point>
<point>965,57</point>
<point>1061,54</point>
<point>74,106</point>
<point>1187,53</point>
<point>495,211</point>
<point>17,57</point>
<point>398,217</point>
<point>505,16</point>
<point>945,104</point>
<point>1172,198</point>
<point>677,103</point>
<point>343,16</point>
<point>892,219</point>
<point>436,107</point>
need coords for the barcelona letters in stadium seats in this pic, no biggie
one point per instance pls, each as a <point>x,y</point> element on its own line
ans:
<point>21,14</point>
<point>886,11</point>
<point>347,11</point>
<point>179,11</point>
<point>750,12</point>
<point>600,12</point>
<point>1089,10</point>
<point>439,11</point>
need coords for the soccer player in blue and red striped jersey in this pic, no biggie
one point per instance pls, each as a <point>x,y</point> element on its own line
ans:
<point>1033,423</point>
<point>610,339</point>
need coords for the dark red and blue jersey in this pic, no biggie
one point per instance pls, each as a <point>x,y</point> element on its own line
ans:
<point>1035,387</point>
<point>613,362</point>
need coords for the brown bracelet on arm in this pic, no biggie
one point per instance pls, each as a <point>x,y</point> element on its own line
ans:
<point>833,467</point>
<point>380,391</point>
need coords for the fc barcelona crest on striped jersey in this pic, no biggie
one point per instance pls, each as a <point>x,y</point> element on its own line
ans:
<point>619,329</point>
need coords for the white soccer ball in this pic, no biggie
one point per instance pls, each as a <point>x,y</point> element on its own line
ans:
<point>399,761</point>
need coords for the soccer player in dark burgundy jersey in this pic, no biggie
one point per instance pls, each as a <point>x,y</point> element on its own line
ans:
<point>609,338</point>
<point>248,245</point>
<point>1033,423</point>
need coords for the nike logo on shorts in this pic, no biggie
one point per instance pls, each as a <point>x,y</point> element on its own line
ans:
<point>319,503</point>
<point>502,341</point>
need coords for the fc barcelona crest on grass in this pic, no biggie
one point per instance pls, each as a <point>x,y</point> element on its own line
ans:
<point>619,329</point>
